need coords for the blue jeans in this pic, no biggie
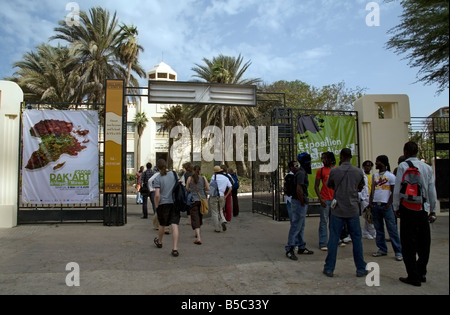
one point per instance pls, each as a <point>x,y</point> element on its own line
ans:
<point>323,225</point>
<point>354,228</point>
<point>288,208</point>
<point>381,215</point>
<point>297,229</point>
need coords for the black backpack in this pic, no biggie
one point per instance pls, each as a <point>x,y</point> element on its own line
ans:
<point>289,187</point>
<point>179,195</point>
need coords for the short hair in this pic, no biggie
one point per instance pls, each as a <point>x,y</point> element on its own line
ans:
<point>368,162</point>
<point>149,165</point>
<point>330,157</point>
<point>346,153</point>
<point>411,148</point>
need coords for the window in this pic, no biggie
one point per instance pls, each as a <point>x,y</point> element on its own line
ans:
<point>152,76</point>
<point>159,129</point>
<point>131,128</point>
<point>172,77</point>
<point>130,160</point>
<point>162,75</point>
<point>387,110</point>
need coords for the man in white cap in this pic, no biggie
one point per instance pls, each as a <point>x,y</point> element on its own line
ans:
<point>219,184</point>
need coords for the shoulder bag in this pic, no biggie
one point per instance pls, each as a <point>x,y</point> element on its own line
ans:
<point>204,202</point>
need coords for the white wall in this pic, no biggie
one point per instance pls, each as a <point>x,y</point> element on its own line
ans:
<point>383,136</point>
<point>10,98</point>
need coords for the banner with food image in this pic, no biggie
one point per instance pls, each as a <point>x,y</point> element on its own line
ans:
<point>60,157</point>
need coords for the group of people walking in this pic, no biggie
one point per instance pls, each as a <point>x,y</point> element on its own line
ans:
<point>159,184</point>
<point>347,193</point>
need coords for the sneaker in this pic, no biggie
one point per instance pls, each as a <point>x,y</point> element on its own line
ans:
<point>305,251</point>
<point>362,274</point>
<point>324,248</point>
<point>328,274</point>
<point>291,255</point>
<point>398,257</point>
<point>342,244</point>
<point>379,254</point>
<point>348,239</point>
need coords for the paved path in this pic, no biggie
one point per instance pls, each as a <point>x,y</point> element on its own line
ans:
<point>247,259</point>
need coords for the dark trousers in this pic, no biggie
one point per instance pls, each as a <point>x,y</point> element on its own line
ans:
<point>234,194</point>
<point>415,237</point>
<point>145,202</point>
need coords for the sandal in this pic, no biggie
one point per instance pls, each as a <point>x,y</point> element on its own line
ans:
<point>175,253</point>
<point>157,243</point>
<point>197,242</point>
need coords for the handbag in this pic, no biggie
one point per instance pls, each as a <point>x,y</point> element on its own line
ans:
<point>144,190</point>
<point>204,202</point>
<point>367,214</point>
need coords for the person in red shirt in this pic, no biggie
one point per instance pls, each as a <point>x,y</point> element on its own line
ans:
<point>325,195</point>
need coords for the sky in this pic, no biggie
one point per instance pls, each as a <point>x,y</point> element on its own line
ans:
<point>319,42</point>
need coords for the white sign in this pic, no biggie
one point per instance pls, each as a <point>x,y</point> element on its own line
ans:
<point>167,92</point>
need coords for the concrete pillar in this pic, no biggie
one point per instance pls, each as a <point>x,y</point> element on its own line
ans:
<point>11,96</point>
<point>383,135</point>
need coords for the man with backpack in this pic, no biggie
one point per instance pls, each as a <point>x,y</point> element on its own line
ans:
<point>168,214</point>
<point>219,184</point>
<point>289,187</point>
<point>414,201</point>
<point>299,210</point>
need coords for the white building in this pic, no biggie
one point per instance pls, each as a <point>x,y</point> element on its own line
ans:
<point>154,143</point>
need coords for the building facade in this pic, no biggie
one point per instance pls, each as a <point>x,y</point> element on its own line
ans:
<point>154,142</point>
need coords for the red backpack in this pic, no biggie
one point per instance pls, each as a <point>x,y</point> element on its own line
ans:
<point>411,189</point>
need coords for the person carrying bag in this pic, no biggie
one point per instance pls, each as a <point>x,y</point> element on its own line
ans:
<point>199,205</point>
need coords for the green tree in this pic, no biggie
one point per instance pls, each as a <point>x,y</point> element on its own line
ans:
<point>303,96</point>
<point>173,117</point>
<point>129,49</point>
<point>94,42</point>
<point>47,74</point>
<point>225,70</point>
<point>140,122</point>
<point>423,36</point>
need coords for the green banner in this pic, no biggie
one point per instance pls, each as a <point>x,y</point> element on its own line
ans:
<point>320,133</point>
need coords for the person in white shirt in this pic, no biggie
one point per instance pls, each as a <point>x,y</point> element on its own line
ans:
<point>218,202</point>
<point>415,224</point>
<point>381,202</point>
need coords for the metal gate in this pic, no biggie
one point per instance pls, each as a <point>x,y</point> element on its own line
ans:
<point>432,136</point>
<point>49,213</point>
<point>267,188</point>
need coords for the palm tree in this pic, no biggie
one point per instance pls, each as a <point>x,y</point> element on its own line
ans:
<point>140,122</point>
<point>173,117</point>
<point>48,74</point>
<point>94,42</point>
<point>226,70</point>
<point>129,49</point>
